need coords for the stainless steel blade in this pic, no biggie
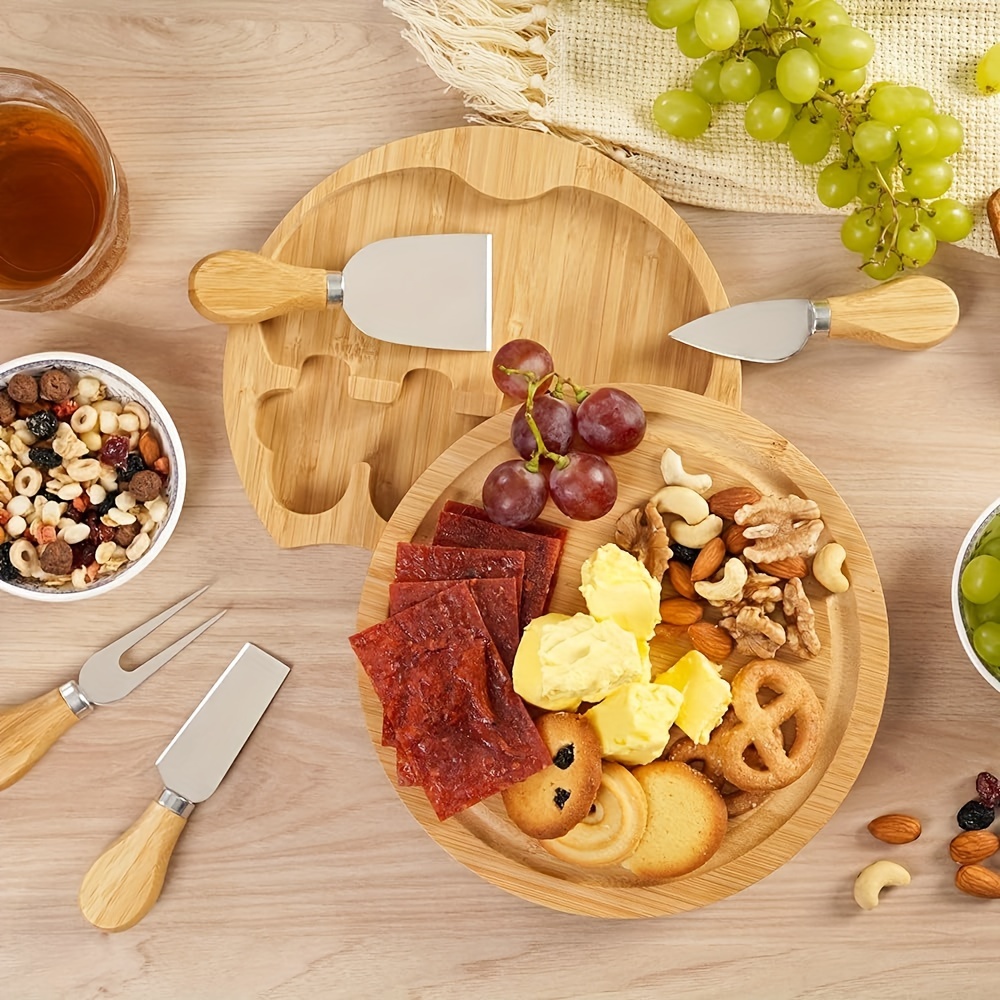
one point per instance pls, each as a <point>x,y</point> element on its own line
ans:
<point>755,331</point>
<point>424,291</point>
<point>198,757</point>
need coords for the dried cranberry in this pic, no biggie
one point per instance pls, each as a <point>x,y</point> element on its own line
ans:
<point>975,816</point>
<point>988,789</point>
<point>101,532</point>
<point>83,554</point>
<point>73,513</point>
<point>114,451</point>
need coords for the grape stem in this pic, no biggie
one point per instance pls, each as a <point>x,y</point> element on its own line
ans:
<point>540,452</point>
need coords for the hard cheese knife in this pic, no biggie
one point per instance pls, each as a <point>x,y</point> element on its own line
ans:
<point>125,881</point>
<point>908,314</point>
<point>423,291</point>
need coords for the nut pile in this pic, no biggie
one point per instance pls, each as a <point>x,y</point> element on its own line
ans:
<point>81,480</point>
<point>738,552</point>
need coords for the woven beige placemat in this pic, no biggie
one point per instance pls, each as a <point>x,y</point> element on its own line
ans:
<point>590,69</point>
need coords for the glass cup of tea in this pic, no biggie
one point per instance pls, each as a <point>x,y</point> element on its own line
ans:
<point>64,219</point>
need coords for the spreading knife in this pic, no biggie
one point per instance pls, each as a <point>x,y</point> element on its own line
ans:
<point>907,314</point>
<point>125,881</point>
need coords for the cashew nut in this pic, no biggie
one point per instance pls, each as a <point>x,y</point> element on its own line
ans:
<point>827,568</point>
<point>734,578</point>
<point>696,536</point>
<point>674,474</point>
<point>693,507</point>
<point>871,881</point>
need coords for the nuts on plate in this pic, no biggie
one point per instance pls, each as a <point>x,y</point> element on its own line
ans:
<point>672,469</point>
<point>973,846</point>
<point>680,611</point>
<point>874,879</point>
<point>641,532</point>
<point>682,500</point>
<point>734,576</point>
<point>710,640</point>
<point>709,560</point>
<point>726,503</point>
<point>786,569</point>
<point>895,828</point>
<point>679,576</point>
<point>828,568</point>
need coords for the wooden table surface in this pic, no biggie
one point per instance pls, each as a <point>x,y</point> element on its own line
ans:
<point>304,876</point>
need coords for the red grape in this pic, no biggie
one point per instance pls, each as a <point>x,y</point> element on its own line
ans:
<point>513,495</point>
<point>611,421</point>
<point>555,421</point>
<point>523,355</point>
<point>586,488</point>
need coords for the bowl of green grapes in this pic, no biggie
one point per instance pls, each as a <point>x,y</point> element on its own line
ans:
<point>976,594</point>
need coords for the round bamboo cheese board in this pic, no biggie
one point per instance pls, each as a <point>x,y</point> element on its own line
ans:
<point>329,428</point>
<point>849,674</point>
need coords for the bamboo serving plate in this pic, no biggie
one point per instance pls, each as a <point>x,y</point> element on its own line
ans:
<point>849,675</point>
<point>329,428</point>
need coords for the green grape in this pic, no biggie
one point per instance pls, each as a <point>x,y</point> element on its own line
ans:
<point>786,132</point>
<point>819,17</point>
<point>950,220</point>
<point>923,103</point>
<point>768,66</point>
<point>869,186</point>
<point>739,80</point>
<point>845,47</point>
<point>951,135</point>
<point>688,41</point>
<point>988,71</point>
<point>991,610</point>
<point>977,614</point>
<point>874,141</point>
<point>682,114</point>
<point>928,178</point>
<point>717,23</point>
<point>810,141</point>
<point>848,81</point>
<point>980,580</point>
<point>767,116</point>
<point>892,104</point>
<point>837,185</point>
<point>860,233</point>
<point>918,137</point>
<point>798,75</point>
<point>752,13</point>
<point>670,13</point>
<point>705,81</point>
<point>917,244</point>
<point>884,269</point>
<point>986,642</point>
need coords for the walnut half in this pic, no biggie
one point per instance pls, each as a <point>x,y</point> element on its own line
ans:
<point>801,630</point>
<point>641,531</point>
<point>780,527</point>
<point>755,633</point>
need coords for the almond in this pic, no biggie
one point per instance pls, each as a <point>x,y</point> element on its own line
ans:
<point>786,569</point>
<point>978,881</point>
<point>973,846</point>
<point>726,503</point>
<point>710,640</point>
<point>672,632</point>
<point>734,540</point>
<point>679,576</point>
<point>895,828</point>
<point>680,611</point>
<point>149,448</point>
<point>709,560</point>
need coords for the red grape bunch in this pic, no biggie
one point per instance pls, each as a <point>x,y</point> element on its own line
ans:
<point>544,432</point>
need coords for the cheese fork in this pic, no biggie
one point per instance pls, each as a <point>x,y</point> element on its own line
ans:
<point>27,731</point>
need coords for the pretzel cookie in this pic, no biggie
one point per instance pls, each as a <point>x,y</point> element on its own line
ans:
<point>760,726</point>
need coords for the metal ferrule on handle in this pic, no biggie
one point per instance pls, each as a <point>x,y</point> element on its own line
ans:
<point>334,288</point>
<point>175,803</point>
<point>822,317</point>
<point>79,704</point>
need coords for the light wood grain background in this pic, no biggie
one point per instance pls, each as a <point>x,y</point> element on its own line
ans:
<point>304,876</point>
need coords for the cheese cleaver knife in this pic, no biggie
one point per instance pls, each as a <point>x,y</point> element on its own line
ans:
<point>907,314</point>
<point>125,881</point>
<point>431,291</point>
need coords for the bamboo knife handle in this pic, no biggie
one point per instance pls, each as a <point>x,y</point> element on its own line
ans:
<point>907,314</point>
<point>236,286</point>
<point>27,731</point>
<point>125,881</point>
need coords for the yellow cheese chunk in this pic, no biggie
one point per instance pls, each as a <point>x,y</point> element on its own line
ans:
<point>563,661</point>
<point>633,722</point>
<point>706,696</point>
<point>618,586</point>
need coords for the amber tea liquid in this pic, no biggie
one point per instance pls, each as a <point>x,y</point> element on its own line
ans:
<point>52,195</point>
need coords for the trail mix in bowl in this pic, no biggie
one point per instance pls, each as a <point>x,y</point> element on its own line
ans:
<point>81,480</point>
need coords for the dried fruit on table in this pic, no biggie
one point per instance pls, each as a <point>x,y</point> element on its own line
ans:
<point>988,788</point>
<point>975,815</point>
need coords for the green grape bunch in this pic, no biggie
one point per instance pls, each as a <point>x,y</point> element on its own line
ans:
<point>800,67</point>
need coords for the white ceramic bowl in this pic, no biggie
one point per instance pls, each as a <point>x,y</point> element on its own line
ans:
<point>969,543</point>
<point>123,386</point>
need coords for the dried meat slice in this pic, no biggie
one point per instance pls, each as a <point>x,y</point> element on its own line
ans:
<point>542,554</point>
<point>418,563</point>
<point>496,599</point>
<point>535,528</point>
<point>460,729</point>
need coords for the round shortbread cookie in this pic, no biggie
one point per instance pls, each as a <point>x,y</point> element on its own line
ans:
<point>612,829</point>
<point>553,801</point>
<point>686,824</point>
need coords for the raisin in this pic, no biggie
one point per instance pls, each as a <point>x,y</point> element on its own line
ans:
<point>83,554</point>
<point>44,458</point>
<point>988,789</point>
<point>975,815</point>
<point>564,757</point>
<point>561,797</point>
<point>42,424</point>
<point>683,554</point>
<point>73,513</point>
<point>7,570</point>
<point>114,451</point>
<point>105,505</point>
<point>49,495</point>
<point>133,464</point>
